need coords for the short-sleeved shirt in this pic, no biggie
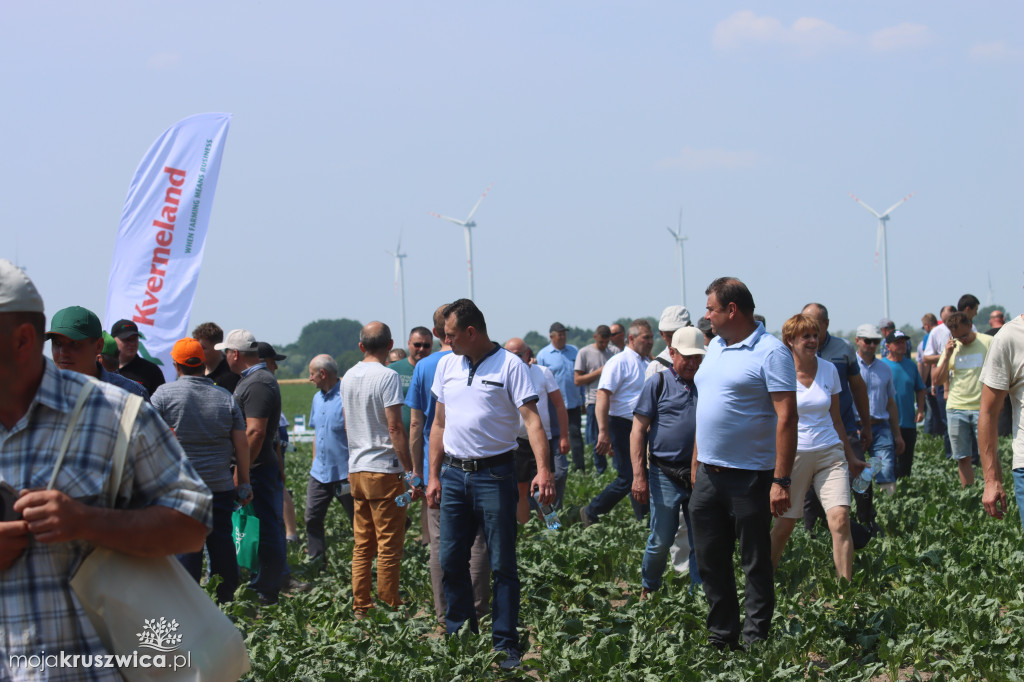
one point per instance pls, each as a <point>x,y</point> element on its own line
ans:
<point>815,429</point>
<point>143,371</point>
<point>878,379</point>
<point>587,360</point>
<point>405,370</point>
<point>418,397</point>
<point>736,419</point>
<point>907,382</point>
<point>40,613</point>
<point>842,355</point>
<point>1004,371</point>
<point>623,376</point>
<point>562,364</point>
<point>481,402</point>
<point>660,363</point>
<point>327,419</point>
<point>937,340</point>
<point>543,383</point>
<point>367,390</point>
<point>203,416</point>
<point>259,396</point>
<point>965,373</point>
<point>671,405</point>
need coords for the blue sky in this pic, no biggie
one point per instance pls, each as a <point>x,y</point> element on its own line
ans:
<point>595,121</point>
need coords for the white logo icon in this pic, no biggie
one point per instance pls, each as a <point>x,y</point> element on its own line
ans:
<point>159,635</point>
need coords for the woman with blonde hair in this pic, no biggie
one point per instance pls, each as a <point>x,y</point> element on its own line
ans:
<point>824,458</point>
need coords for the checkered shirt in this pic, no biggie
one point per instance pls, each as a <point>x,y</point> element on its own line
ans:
<point>38,611</point>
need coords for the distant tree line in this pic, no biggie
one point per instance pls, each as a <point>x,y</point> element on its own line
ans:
<point>340,339</point>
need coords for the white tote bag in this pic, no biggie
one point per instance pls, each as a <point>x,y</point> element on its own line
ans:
<point>149,612</point>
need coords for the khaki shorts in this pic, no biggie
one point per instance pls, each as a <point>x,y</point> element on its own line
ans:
<point>827,471</point>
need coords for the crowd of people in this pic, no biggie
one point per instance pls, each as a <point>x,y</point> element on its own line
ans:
<point>730,435</point>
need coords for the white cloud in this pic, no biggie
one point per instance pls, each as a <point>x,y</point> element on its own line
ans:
<point>163,60</point>
<point>807,34</point>
<point>998,51</point>
<point>691,159</point>
<point>810,35</point>
<point>901,37</point>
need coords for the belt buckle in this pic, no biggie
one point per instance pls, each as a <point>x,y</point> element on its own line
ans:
<point>470,465</point>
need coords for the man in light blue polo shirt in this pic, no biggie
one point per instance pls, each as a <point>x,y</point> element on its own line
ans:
<point>328,476</point>
<point>746,441</point>
<point>560,358</point>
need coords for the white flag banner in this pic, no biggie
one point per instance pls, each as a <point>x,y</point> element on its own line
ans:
<point>162,235</point>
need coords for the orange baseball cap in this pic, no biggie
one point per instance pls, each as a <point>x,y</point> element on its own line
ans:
<point>188,352</point>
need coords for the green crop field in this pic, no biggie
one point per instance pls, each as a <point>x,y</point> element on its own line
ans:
<point>296,399</point>
<point>939,597</point>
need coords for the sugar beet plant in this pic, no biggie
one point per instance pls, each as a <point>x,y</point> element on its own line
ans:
<point>940,596</point>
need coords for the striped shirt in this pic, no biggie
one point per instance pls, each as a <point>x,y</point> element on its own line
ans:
<point>37,609</point>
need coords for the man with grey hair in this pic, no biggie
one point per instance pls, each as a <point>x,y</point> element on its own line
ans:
<point>378,458</point>
<point>328,475</point>
<point>259,396</point>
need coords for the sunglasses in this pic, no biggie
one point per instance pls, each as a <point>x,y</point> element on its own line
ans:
<point>422,345</point>
<point>872,342</point>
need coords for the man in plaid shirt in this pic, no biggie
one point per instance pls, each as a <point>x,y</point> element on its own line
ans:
<point>162,506</point>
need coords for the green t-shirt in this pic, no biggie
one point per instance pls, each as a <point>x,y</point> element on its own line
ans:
<point>404,369</point>
<point>965,374</point>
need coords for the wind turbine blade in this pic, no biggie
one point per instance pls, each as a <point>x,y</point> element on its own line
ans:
<point>398,264</point>
<point>460,223</point>
<point>868,208</point>
<point>478,202</point>
<point>398,249</point>
<point>672,232</point>
<point>680,220</point>
<point>898,203</point>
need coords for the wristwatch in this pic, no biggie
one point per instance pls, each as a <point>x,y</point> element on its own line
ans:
<point>783,482</point>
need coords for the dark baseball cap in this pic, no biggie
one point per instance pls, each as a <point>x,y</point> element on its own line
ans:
<point>267,351</point>
<point>122,329</point>
<point>76,323</point>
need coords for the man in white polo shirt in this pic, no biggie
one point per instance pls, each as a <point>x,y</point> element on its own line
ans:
<point>481,391</point>
<point>621,382</point>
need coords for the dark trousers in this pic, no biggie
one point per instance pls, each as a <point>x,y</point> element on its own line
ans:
<point>905,461</point>
<point>623,483</point>
<point>221,546</point>
<point>725,507</point>
<point>579,461</point>
<point>268,505</point>
<point>600,461</point>
<point>318,499</point>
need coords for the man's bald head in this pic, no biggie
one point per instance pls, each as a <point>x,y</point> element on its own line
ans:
<point>517,346</point>
<point>819,313</point>
<point>375,338</point>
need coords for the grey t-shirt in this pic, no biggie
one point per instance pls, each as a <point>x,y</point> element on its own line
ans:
<point>366,390</point>
<point>202,416</point>
<point>259,396</point>
<point>589,359</point>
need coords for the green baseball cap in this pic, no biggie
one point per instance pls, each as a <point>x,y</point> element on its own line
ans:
<point>76,323</point>
<point>109,345</point>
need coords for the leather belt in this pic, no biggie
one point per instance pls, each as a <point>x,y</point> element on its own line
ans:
<point>715,469</point>
<point>480,464</point>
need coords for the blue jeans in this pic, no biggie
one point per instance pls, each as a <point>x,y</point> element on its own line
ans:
<point>221,546</point>
<point>666,499</point>
<point>1018,488</point>
<point>963,432</point>
<point>623,483</point>
<point>268,505</point>
<point>600,461</point>
<point>469,500</point>
<point>883,447</point>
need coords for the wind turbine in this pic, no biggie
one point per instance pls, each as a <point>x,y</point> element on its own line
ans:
<point>882,243</point>
<point>468,224</point>
<point>678,236</point>
<point>400,278</point>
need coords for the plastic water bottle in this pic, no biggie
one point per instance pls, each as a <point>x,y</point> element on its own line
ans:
<point>862,482</point>
<point>412,481</point>
<point>549,513</point>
